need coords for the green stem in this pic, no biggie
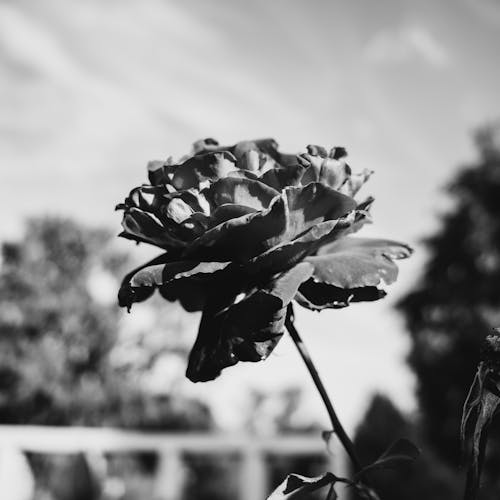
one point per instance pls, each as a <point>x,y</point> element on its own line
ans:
<point>337,426</point>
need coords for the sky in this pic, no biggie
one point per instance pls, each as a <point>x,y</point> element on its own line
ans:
<point>90,91</point>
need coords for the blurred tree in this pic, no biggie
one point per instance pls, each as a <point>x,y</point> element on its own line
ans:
<point>58,326</point>
<point>427,478</point>
<point>457,302</point>
<point>54,336</point>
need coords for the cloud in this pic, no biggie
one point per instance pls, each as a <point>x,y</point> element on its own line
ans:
<point>406,44</point>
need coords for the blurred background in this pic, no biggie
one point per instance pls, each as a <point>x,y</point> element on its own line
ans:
<point>91,91</point>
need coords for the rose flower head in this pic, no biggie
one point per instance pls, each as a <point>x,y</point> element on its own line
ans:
<point>247,229</point>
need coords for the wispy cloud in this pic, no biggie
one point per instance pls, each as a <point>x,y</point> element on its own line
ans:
<point>407,43</point>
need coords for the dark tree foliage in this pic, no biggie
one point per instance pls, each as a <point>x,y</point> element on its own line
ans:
<point>55,337</point>
<point>428,478</point>
<point>457,302</point>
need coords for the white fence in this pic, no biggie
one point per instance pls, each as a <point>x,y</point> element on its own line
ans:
<point>170,448</point>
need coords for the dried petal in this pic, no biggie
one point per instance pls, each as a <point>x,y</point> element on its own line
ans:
<point>483,402</point>
<point>486,410</point>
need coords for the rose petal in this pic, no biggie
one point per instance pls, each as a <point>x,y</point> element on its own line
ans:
<point>205,145</point>
<point>282,176</point>
<point>337,153</point>
<point>142,284</point>
<point>318,296</point>
<point>196,225</point>
<point>333,173</point>
<point>268,146</point>
<point>244,174</point>
<point>199,168</point>
<point>162,274</point>
<point>160,172</point>
<point>154,215</point>
<point>139,198</point>
<point>143,226</point>
<point>178,210</point>
<point>156,199</point>
<point>312,204</point>
<point>358,262</point>
<point>314,150</point>
<point>251,160</point>
<point>196,200</point>
<point>247,330</point>
<point>286,255</point>
<point>355,182</point>
<point>191,293</point>
<point>228,212</point>
<point>250,193</point>
<point>291,214</point>
<point>374,246</point>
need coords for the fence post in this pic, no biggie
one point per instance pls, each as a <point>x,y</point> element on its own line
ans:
<point>170,475</point>
<point>254,480</point>
<point>16,478</point>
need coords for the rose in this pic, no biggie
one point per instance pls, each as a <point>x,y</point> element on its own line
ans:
<point>247,229</point>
